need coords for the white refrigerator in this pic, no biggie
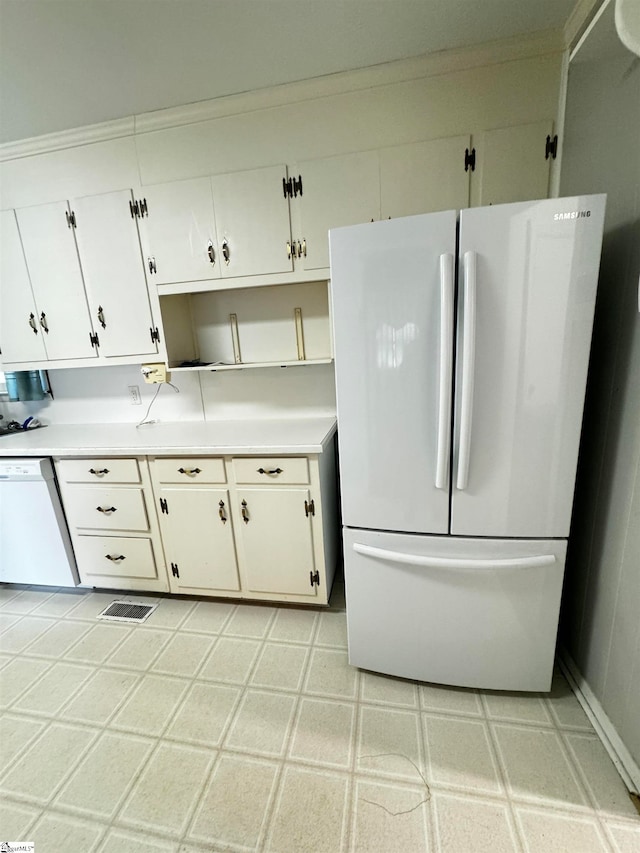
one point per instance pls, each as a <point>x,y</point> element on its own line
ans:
<point>461,351</point>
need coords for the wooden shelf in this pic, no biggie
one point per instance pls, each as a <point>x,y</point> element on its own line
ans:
<point>214,367</point>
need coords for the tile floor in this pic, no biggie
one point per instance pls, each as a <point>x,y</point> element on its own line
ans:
<point>217,726</point>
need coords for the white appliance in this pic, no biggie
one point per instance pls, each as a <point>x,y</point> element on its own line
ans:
<point>461,350</point>
<point>35,547</point>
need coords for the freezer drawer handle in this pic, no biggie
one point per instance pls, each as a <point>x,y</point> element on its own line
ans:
<point>455,562</point>
<point>468,368</point>
<point>446,366</point>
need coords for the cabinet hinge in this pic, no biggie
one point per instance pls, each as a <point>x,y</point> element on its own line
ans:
<point>174,570</point>
<point>469,159</point>
<point>155,335</point>
<point>551,147</point>
<point>287,187</point>
<point>138,208</point>
<point>163,506</point>
<point>314,577</point>
<point>309,508</point>
<point>71,218</point>
<point>94,339</point>
<point>297,186</point>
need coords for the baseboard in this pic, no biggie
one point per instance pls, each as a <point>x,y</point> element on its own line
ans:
<point>620,755</point>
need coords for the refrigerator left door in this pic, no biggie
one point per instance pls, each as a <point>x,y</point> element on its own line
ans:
<point>392,285</point>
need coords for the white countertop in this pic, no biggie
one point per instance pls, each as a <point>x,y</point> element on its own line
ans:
<point>304,435</point>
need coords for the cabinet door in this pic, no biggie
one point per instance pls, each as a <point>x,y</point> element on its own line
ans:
<point>114,276</point>
<point>56,278</point>
<point>276,540</point>
<point>197,534</point>
<point>511,164</point>
<point>424,177</point>
<point>20,336</point>
<point>336,191</point>
<point>179,232</point>
<point>252,222</point>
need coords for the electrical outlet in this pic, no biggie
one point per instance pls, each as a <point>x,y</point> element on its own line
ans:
<point>134,395</point>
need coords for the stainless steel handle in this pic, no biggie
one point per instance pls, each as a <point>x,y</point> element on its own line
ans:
<point>446,365</point>
<point>245,514</point>
<point>226,251</point>
<point>211,252</point>
<point>468,368</point>
<point>43,322</point>
<point>455,562</point>
<point>115,559</point>
<point>33,324</point>
<point>101,317</point>
<point>106,508</point>
<point>221,513</point>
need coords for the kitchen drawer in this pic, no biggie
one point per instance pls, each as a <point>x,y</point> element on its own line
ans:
<point>190,470</point>
<point>105,508</point>
<point>271,469</point>
<point>98,470</point>
<point>115,556</point>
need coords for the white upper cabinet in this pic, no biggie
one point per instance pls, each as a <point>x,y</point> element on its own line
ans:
<point>50,250</point>
<point>252,222</point>
<point>424,177</point>
<point>179,232</point>
<point>20,332</point>
<point>335,191</point>
<point>110,254</point>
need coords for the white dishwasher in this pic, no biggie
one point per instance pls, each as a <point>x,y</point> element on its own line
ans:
<point>35,547</point>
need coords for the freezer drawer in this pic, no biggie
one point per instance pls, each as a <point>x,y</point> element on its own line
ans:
<point>466,612</point>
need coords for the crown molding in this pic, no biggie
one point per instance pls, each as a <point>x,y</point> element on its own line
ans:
<point>429,65</point>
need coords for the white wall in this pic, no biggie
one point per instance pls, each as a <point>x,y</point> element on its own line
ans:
<point>601,612</point>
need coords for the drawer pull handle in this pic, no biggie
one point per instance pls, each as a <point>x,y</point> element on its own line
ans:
<point>106,508</point>
<point>189,471</point>
<point>99,472</point>
<point>269,470</point>
<point>245,514</point>
<point>223,517</point>
<point>115,559</point>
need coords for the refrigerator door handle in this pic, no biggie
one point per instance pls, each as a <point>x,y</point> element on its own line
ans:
<point>468,368</point>
<point>446,365</point>
<point>453,562</point>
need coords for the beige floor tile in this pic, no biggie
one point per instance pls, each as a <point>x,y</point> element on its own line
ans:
<point>55,642</point>
<point>55,833</point>
<point>281,667</point>
<point>204,714</point>
<point>125,841</point>
<point>389,818</point>
<point>564,707</point>
<point>233,809</point>
<point>167,793</point>
<point>100,697</point>
<point>148,710</point>
<point>626,836</point>
<point>293,625</point>
<point>27,600</point>
<point>5,659</point>
<point>139,649</point>
<point>60,603</point>
<point>54,689</point>
<point>230,661</point>
<point>323,733</point>
<point>517,707</point>
<point>104,776</point>
<point>98,643</point>
<point>300,821</point>
<point>332,630</point>
<point>15,733</point>
<point>450,700</point>
<point>262,723</point>
<point>15,820</point>
<point>535,765</point>
<point>208,617</point>
<point>17,676</point>
<point>170,613</point>
<point>92,604</point>
<point>46,763</point>
<point>8,592</point>
<point>23,632</point>
<point>386,690</point>
<point>603,780</point>
<point>7,620</point>
<point>460,754</point>
<point>546,831</point>
<point>389,744</point>
<point>472,825</point>
<point>250,620</point>
<point>183,655</point>
<point>329,674</point>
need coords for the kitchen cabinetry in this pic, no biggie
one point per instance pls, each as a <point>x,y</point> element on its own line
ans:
<point>111,515</point>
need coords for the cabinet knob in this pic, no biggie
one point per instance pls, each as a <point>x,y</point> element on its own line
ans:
<point>43,322</point>
<point>106,508</point>
<point>33,324</point>
<point>245,514</point>
<point>211,252</point>
<point>152,265</point>
<point>221,513</point>
<point>226,251</point>
<point>115,559</point>
<point>101,317</point>
<point>289,250</point>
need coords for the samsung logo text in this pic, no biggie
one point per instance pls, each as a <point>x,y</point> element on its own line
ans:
<point>574,214</point>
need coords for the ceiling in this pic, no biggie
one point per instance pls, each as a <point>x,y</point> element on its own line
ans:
<point>66,63</point>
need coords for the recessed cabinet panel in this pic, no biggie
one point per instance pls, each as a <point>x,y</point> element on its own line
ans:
<point>104,508</point>
<point>115,557</point>
<point>424,177</point>
<point>21,336</point>
<point>179,232</point>
<point>190,470</point>
<point>98,470</point>
<point>271,469</point>
<point>114,276</point>
<point>56,278</point>
<point>252,221</point>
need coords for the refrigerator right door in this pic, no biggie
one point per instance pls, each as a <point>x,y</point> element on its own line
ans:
<point>528,274</point>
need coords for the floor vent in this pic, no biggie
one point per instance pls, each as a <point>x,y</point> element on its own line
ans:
<point>127,611</point>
